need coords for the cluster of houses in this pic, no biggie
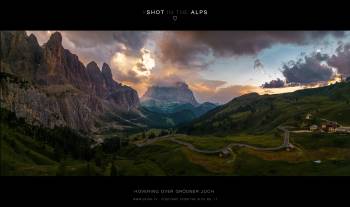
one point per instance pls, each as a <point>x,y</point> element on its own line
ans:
<point>328,127</point>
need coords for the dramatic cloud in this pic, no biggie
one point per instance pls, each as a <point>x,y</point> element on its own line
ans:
<point>184,47</point>
<point>128,40</point>
<point>315,69</point>
<point>132,69</point>
<point>99,46</point>
<point>166,75</point>
<point>217,91</point>
<point>140,59</point>
<point>225,94</point>
<point>341,60</point>
<point>85,39</point>
<point>307,70</point>
<point>133,40</point>
<point>274,84</point>
<point>179,48</point>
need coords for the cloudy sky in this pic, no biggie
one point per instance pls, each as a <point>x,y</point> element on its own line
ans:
<point>217,65</point>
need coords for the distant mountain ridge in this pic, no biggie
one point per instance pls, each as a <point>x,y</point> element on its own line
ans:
<point>254,113</point>
<point>175,101</point>
<point>178,92</point>
<point>49,85</point>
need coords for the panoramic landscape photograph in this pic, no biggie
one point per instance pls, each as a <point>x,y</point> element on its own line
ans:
<point>175,103</point>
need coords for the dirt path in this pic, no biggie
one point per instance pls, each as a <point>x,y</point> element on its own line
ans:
<point>286,144</point>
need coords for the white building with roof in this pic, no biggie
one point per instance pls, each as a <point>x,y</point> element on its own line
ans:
<point>343,129</point>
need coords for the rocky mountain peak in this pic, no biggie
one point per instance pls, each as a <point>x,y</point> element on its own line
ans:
<point>16,45</point>
<point>92,67</point>
<point>19,35</point>
<point>181,85</point>
<point>33,39</point>
<point>106,71</point>
<point>98,81</point>
<point>55,40</point>
<point>178,92</point>
<point>61,90</point>
<point>107,74</point>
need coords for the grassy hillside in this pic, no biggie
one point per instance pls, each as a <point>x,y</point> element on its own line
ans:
<point>35,151</point>
<point>168,158</point>
<point>32,150</point>
<point>164,158</point>
<point>257,114</point>
<point>250,119</point>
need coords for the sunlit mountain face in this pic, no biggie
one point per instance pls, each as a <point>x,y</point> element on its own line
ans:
<point>216,65</point>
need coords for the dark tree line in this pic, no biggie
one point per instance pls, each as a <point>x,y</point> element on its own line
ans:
<point>64,141</point>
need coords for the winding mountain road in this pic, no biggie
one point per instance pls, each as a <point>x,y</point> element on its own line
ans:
<point>285,145</point>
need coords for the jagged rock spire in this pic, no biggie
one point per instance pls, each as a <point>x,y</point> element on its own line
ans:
<point>55,39</point>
